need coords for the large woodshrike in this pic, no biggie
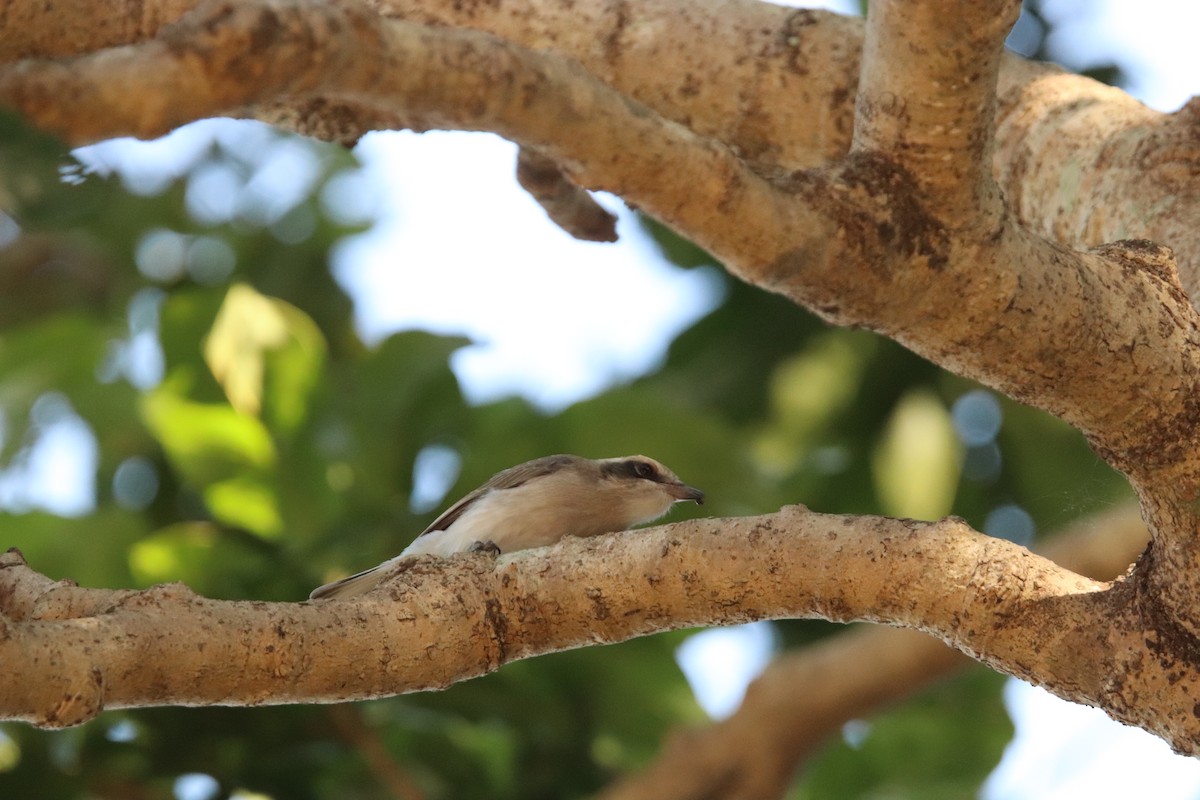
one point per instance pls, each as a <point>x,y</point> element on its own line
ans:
<point>536,504</point>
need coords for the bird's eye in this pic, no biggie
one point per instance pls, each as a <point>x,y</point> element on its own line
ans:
<point>643,470</point>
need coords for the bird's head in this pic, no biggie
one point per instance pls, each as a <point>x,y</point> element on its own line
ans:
<point>641,489</point>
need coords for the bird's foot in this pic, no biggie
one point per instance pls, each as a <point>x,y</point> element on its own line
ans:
<point>489,547</point>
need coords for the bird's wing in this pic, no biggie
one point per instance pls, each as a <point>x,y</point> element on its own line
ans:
<point>508,479</point>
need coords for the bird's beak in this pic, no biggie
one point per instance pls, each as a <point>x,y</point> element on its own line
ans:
<point>682,492</point>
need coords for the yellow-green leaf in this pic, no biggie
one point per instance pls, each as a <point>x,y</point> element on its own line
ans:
<point>204,441</point>
<point>245,503</point>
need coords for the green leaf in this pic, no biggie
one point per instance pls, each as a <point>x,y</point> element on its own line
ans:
<point>940,746</point>
<point>247,503</point>
<point>207,442</point>
<point>89,550</point>
<point>918,459</point>
<point>265,352</point>
<point>212,560</point>
<point>178,553</point>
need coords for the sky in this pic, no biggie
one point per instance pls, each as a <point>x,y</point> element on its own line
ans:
<point>515,276</point>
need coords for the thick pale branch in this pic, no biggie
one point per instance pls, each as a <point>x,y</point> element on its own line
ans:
<point>1108,340</point>
<point>441,78</point>
<point>1085,163</point>
<point>834,241</point>
<point>776,84</point>
<point>1085,323</point>
<point>444,621</point>
<point>35,28</point>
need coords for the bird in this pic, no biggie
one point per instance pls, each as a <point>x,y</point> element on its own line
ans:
<point>535,504</point>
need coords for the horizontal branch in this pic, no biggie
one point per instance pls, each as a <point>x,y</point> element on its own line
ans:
<point>441,78</point>
<point>443,621</point>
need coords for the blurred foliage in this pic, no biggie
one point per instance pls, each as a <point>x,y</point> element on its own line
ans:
<point>961,728</point>
<point>249,444</point>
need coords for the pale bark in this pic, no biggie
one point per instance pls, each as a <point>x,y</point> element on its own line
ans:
<point>776,84</point>
<point>439,622</point>
<point>940,208</point>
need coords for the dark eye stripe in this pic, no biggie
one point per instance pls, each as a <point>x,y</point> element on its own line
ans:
<point>632,469</point>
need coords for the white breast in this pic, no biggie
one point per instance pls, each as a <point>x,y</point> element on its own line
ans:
<point>527,516</point>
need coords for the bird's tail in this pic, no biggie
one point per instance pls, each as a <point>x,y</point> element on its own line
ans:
<point>352,586</point>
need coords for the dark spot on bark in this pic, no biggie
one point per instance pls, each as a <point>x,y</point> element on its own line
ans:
<point>900,224</point>
<point>690,87</point>
<point>471,7</point>
<point>1166,639</point>
<point>612,42</point>
<point>497,624</point>
<point>1143,255</point>
<point>801,19</point>
<point>880,221</point>
<point>791,36</point>
<point>599,606</point>
<point>840,96</point>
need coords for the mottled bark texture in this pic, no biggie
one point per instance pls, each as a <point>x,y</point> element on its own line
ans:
<point>1024,227</point>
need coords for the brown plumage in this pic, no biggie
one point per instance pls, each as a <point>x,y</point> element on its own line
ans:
<point>537,503</point>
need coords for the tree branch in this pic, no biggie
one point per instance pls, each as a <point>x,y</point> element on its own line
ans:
<point>776,84</point>
<point>926,98</point>
<point>439,622</point>
<point>1060,139</point>
<point>567,205</point>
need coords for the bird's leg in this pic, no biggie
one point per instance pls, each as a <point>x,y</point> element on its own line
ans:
<point>489,547</point>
